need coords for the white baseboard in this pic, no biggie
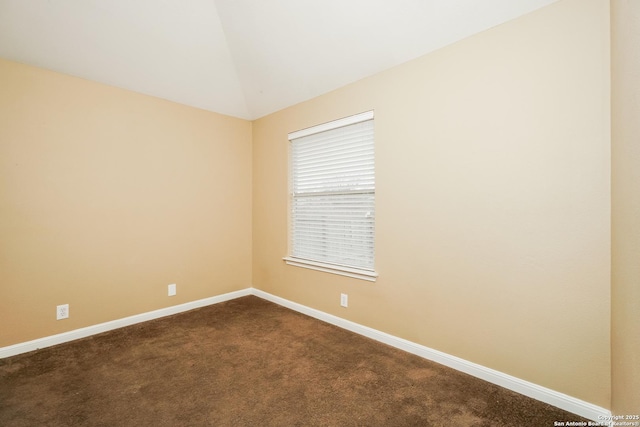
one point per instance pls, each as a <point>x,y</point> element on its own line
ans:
<point>559,400</point>
<point>526,388</point>
<point>36,344</point>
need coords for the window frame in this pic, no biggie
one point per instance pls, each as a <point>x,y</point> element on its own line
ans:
<point>328,267</point>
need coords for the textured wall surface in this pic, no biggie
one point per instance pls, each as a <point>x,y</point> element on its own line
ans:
<point>492,204</point>
<point>625,94</point>
<point>107,196</point>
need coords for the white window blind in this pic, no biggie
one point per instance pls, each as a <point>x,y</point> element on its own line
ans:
<point>333,193</point>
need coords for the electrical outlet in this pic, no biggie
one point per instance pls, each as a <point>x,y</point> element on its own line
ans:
<point>172,290</point>
<point>344,300</point>
<point>62,311</point>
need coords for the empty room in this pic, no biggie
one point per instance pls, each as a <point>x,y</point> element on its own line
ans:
<point>367,213</point>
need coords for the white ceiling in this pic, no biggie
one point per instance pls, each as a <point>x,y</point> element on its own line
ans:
<point>244,58</point>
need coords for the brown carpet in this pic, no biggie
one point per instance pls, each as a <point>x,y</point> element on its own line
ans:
<point>248,362</point>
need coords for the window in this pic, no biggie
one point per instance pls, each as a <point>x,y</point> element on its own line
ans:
<point>332,186</point>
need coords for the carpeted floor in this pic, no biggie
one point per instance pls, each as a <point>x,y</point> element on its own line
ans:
<point>248,362</point>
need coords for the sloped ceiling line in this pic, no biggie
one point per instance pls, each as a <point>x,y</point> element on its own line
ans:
<point>244,58</point>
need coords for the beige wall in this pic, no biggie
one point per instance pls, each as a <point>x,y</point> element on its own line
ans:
<point>625,55</point>
<point>493,200</point>
<point>107,196</point>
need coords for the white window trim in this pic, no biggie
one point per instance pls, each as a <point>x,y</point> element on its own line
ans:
<point>356,273</point>
<point>351,120</point>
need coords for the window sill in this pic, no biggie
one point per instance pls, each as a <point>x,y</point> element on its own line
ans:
<point>356,273</point>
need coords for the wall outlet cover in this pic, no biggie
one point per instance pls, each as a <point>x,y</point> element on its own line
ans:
<point>172,289</point>
<point>62,312</point>
<point>344,300</point>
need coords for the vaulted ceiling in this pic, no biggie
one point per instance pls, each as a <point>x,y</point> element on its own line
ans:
<point>244,58</point>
